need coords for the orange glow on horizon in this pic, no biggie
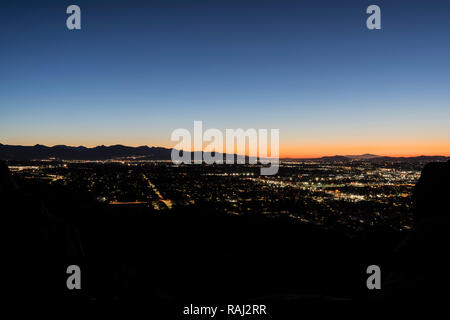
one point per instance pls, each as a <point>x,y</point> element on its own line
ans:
<point>293,149</point>
<point>394,149</point>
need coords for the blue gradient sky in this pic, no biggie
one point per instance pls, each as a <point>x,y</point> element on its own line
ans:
<point>137,70</point>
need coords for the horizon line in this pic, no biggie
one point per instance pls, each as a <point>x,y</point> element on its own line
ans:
<point>281,157</point>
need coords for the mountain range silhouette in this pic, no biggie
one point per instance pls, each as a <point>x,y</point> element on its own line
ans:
<point>63,152</point>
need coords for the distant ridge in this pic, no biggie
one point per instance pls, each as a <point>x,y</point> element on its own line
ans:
<point>375,158</point>
<point>40,152</point>
<point>363,156</point>
<point>63,152</point>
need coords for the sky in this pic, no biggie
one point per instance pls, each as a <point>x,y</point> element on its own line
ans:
<point>137,70</point>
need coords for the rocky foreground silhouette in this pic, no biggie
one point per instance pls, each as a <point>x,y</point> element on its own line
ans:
<point>198,254</point>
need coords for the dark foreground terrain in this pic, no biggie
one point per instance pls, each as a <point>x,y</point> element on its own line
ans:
<point>200,255</point>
